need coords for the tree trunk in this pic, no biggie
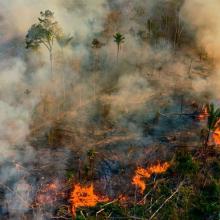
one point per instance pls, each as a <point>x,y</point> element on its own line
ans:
<point>207,139</point>
<point>181,105</point>
<point>64,83</point>
<point>51,62</point>
<point>64,90</point>
<point>118,48</point>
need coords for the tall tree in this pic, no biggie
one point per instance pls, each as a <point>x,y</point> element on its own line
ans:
<point>44,33</point>
<point>118,39</point>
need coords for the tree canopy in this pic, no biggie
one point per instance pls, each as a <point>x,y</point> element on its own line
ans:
<point>44,32</point>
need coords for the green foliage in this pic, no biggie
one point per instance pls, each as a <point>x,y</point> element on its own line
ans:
<point>96,43</point>
<point>116,210</point>
<point>79,217</point>
<point>184,201</point>
<point>86,169</point>
<point>206,205</point>
<point>119,38</point>
<point>70,174</point>
<point>213,116</point>
<point>212,122</point>
<point>164,189</point>
<point>62,211</point>
<point>170,212</point>
<point>138,210</point>
<point>91,153</point>
<point>184,164</point>
<point>197,198</point>
<point>215,169</point>
<point>44,32</point>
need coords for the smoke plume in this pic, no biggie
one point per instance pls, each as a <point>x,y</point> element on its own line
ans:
<point>96,100</point>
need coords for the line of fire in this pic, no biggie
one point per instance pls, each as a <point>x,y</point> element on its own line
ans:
<point>109,110</point>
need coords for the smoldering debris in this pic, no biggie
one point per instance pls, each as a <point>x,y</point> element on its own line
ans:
<point>96,101</point>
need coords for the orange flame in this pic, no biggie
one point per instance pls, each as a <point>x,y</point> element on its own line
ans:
<point>216,136</point>
<point>142,173</point>
<point>203,115</point>
<point>122,198</point>
<point>84,197</point>
<point>48,194</point>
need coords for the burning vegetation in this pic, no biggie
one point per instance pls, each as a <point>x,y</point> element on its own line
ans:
<point>203,115</point>
<point>111,111</point>
<point>49,194</point>
<point>84,197</point>
<point>216,136</point>
<point>141,174</point>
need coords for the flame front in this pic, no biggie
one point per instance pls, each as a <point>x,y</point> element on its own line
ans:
<point>216,136</point>
<point>84,197</point>
<point>142,173</point>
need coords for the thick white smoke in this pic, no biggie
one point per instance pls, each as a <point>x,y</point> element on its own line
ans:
<point>91,84</point>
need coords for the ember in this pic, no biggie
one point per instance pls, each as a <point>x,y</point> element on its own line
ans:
<point>142,173</point>
<point>48,194</point>
<point>84,197</point>
<point>122,198</point>
<point>203,114</point>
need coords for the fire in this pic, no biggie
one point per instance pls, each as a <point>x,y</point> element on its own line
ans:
<point>142,173</point>
<point>84,197</point>
<point>203,115</point>
<point>137,179</point>
<point>122,198</point>
<point>49,194</point>
<point>216,136</point>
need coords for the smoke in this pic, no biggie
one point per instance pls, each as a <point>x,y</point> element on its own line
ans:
<point>14,118</point>
<point>96,100</point>
<point>69,15</point>
<point>203,20</point>
<point>204,24</point>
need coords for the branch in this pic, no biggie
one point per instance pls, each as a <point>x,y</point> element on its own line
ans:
<point>175,114</point>
<point>166,201</point>
<point>81,212</point>
<point>149,209</point>
<point>102,209</point>
<point>48,47</point>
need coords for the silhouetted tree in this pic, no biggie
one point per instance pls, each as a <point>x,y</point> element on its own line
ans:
<point>44,33</point>
<point>118,39</point>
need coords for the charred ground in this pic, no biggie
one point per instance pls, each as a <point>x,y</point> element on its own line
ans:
<point>111,121</point>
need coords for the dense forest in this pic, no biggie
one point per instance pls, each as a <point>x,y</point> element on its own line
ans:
<point>109,109</point>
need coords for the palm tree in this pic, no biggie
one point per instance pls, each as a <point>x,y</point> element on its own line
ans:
<point>96,45</point>
<point>118,39</point>
<point>91,154</point>
<point>213,120</point>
